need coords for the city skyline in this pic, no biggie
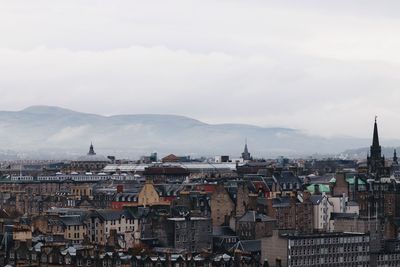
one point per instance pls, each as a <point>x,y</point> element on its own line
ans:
<point>199,133</point>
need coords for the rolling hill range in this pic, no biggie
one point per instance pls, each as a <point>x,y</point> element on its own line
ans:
<point>44,131</point>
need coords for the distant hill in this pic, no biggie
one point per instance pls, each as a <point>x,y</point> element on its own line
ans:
<point>44,131</point>
<point>361,153</point>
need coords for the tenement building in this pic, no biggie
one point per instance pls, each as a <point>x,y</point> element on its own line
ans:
<point>327,249</point>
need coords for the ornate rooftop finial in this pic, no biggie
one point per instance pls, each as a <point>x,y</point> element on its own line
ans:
<point>91,149</point>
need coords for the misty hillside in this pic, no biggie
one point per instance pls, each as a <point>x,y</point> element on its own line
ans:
<point>53,131</point>
<point>361,153</point>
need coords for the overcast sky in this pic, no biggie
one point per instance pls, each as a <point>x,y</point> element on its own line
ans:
<point>323,66</point>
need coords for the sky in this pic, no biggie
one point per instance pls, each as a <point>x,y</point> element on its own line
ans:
<point>326,67</point>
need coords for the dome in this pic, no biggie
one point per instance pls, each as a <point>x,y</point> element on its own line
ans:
<point>91,156</point>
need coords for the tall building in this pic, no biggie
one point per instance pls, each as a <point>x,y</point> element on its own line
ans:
<point>376,162</point>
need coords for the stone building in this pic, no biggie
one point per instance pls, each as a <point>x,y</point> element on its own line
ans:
<point>101,223</point>
<point>190,233</point>
<point>253,225</point>
<point>242,199</point>
<point>222,205</point>
<point>148,195</point>
<point>330,249</point>
<point>75,228</point>
<point>291,213</point>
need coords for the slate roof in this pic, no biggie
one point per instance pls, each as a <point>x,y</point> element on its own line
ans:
<point>316,199</point>
<point>169,189</point>
<point>269,181</point>
<point>337,215</point>
<point>55,221</point>
<point>253,216</point>
<point>247,246</point>
<point>287,177</point>
<point>324,179</point>
<point>223,231</point>
<point>71,220</point>
<point>109,215</point>
<point>281,202</point>
<point>126,197</point>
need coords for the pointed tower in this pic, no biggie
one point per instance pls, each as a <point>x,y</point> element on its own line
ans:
<point>91,150</point>
<point>246,155</point>
<point>376,162</point>
<point>395,160</point>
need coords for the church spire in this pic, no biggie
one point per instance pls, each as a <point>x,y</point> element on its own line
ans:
<point>375,139</point>
<point>376,162</point>
<point>245,146</point>
<point>395,157</point>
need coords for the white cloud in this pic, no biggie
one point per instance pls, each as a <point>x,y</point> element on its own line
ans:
<point>313,66</point>
<point>68,134</point>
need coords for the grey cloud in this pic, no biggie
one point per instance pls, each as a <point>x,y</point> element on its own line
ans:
<point>310,65</point>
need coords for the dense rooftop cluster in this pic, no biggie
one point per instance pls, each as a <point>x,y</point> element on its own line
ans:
<point>99,211</point>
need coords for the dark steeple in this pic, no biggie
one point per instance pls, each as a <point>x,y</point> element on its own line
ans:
<point>395,161</point>
<point>246,155</point>
<point>375,148</point>
<point>375,139</point>
<point>376,162</point>
<point>91,150</point>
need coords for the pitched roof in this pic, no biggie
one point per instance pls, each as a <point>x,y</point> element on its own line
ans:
<point>71,220</point>
<point>287,177</point>
<point>281,202</point>
<point>109,215</point>
<point>316,199</point>
<point>253,216</point>
<point>247,246</point>
<point>223,231</point>
<point>322,188</point>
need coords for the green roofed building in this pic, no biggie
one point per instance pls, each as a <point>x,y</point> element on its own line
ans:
<point>323,188</point>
